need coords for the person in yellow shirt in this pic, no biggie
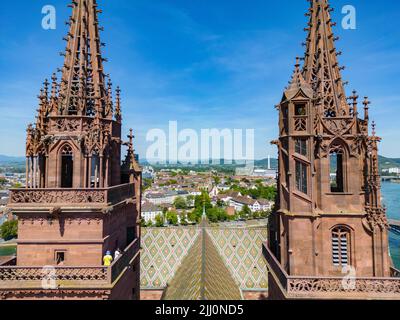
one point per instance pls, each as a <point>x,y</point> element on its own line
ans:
<point>107,260</point>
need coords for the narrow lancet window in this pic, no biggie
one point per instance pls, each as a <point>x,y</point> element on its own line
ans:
<point>301,177</point>
<point>336,170</point>
<point>67,167</point>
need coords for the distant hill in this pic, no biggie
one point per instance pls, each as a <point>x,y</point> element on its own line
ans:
<point>7,159</point>
<point>386,163</point>
<point>264,163</point>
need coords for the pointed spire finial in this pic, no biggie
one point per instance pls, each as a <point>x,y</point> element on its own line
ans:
<point>373,128</point>
<point>118,116</point>
<point>366,104</point>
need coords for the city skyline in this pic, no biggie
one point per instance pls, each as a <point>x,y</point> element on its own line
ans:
<point>178,61</point>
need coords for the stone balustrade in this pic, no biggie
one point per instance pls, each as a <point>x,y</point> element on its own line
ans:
<point>13,273</point>
<point>96,275</point>
<point>124,260</point>
<point>296,287</point>
<point>112,195</point>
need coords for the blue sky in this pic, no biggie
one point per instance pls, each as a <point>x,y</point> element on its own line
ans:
<point>204,63</point>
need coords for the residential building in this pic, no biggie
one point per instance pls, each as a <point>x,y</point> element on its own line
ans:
<point>150,211</point>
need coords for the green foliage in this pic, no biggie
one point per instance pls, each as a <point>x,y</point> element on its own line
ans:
<point>195,215</point>
<point>217,180</point>
<point>261,191</point>
<point>9,230</point>
<point>172,218</point>
<point>143,223</point>
<point>147,183</point>
<point>3,181</point>
<point>256,215</point>
<point>149,224</point>
<point>220,203</point>
<point>159,221</point>
<point>189,200</point>
<point>180,203</point>
<point>245,213</point>
<point>203,199</point>
<point>184,221</point>
<point>216,214</point>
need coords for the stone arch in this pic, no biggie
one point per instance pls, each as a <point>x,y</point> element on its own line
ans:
<point>338,156</point>
<point>66,174</point>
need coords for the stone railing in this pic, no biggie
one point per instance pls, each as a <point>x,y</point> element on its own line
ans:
<point>111,195</point>
<point>341,287</point>
<point>12,273</point>
<point>95,275</point>
<point>296,287</point>
<point>124,260</point>
<point>8,261</point>
<point>120,193</point>
<point>274,266</point>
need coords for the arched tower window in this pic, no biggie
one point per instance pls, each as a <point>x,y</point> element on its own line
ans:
<point>95,170</point>
<point>340,247</point>
<point>336,172</point>
<point>67,167</point>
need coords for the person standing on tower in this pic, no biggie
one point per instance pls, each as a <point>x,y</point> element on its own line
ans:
<point>107,260</point>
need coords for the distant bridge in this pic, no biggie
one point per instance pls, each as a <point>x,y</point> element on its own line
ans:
<point>394,226</point>
<point>390,178</point>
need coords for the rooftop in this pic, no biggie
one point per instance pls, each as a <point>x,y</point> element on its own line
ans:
<point>203,275</point>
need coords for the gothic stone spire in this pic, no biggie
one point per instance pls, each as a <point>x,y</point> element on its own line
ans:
<point>83,88</point>
<point>321,68</point>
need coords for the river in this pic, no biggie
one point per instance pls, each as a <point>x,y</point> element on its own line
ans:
<point>391,199</point>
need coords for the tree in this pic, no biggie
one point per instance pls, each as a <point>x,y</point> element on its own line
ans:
<point>220,203</point>
<point>159,221</point>
<point>9,230</point>
<point>149,224</point>
<point>245,212</point>
<point>257,215</point>
<point>265,214</point>
<point>3,181</point>
<point>143,223</point>
<point>195,215</point>
<point>184,221</point>
<point>172,218</point>
<point>203,199</point>
<point>212,215</point>
<point>190,201</point>
<point>147,183</point>
<point>180,203</point>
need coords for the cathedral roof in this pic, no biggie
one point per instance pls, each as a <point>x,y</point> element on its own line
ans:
<point>203,275</point>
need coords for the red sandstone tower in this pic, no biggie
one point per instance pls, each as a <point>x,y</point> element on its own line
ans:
<point>79,201</point>
<point>329,221</point>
